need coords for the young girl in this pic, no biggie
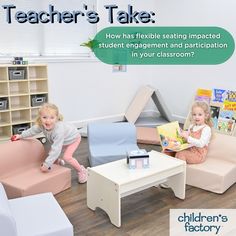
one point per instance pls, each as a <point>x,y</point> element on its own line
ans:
<point>198,134</point>
<point>61,136</point>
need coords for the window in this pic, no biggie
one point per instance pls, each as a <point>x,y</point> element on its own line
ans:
<point>45,39</point>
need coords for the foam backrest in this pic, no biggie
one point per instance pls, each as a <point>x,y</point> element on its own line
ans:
<point>7,222</point>
<point>138,103</point>
<point>111,133</point>
<point>20,154</point>
<point>222,147</point>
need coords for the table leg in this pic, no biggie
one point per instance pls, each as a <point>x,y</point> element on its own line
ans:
<point>177,183</point>
<point>105,194</point>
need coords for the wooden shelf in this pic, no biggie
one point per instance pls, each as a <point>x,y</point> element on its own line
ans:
<point>19,84</point>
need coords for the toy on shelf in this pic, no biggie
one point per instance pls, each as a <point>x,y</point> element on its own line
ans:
<point>19,61</point>
<point>138,159</point>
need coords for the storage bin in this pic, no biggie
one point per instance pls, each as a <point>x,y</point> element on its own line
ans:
<point>38,100</point>
<point>16,74</point>
<point>3,103</point>
<point>18,129</point>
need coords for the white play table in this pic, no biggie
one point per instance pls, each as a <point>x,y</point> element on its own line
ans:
<point>109,182</point>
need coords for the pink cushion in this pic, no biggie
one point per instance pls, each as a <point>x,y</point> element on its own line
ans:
<point>33,181</point>
<point>147,135</point>
<point>20,170</point>
<point>19,156</point>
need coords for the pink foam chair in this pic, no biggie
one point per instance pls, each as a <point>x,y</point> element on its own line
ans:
<point>20,170</point>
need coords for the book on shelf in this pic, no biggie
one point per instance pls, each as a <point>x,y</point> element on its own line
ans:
<point>222,109</point>
<point>218,95</point>
<point>203,95</point>
<point>227,114</point>
<point>170,137</point>
<point>214,115</point>
<point>225,125</point>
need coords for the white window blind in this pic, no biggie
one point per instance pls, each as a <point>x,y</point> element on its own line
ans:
<point>48,39</point>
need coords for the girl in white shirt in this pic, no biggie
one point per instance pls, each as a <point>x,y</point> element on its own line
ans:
<point>198,134</point>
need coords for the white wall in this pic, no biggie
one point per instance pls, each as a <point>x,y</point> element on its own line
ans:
<point>182,81</point>
<point>90,90</point>
<point>85,91</point>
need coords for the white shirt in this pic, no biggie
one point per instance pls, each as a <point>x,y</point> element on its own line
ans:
<point>205,136</point>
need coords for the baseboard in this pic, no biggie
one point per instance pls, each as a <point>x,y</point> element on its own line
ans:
<point>121,117</point>
<point>148,113</point>
<point>114,118</point>
<point>181,119</point>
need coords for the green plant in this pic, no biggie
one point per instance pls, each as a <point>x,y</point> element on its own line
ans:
<point>90,44</point>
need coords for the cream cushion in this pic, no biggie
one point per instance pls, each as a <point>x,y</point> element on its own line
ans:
<point>218,172</point>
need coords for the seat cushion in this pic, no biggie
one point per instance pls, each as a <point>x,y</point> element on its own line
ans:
<point>213,175</point>
<point>40,215</point>
<point>34,181</point>
<point>102,154</point>
<point>112,150</point>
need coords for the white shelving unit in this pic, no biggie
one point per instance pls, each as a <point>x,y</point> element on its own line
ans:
<point>23,88</point>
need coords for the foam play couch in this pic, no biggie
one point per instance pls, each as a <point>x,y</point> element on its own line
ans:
<point>110,141</point>
<point>218,172</point>
<point>38,214</point>
<point>20,173</point>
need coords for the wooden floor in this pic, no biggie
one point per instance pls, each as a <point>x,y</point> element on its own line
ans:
<point>143,213</point>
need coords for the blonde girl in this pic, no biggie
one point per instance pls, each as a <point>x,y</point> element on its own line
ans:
<point>61,136</point>
<point>199,134</point>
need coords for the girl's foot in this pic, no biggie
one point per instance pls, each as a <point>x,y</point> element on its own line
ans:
<point>60,162</point>
<point>164,185</point>
<point>82,175</point>
<point>44,168</point>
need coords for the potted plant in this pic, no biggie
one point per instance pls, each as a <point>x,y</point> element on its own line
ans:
<point>90,44</point>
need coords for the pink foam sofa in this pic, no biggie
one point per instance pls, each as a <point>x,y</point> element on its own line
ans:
<point>20,170</point>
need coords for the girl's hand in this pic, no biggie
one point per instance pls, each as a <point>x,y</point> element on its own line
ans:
<point>15,137</point>
<point>44,168</point>
<point>184,134</point>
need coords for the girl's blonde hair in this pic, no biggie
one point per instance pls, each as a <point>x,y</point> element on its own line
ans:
<point>50,108</point>
<point>206,108</point>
